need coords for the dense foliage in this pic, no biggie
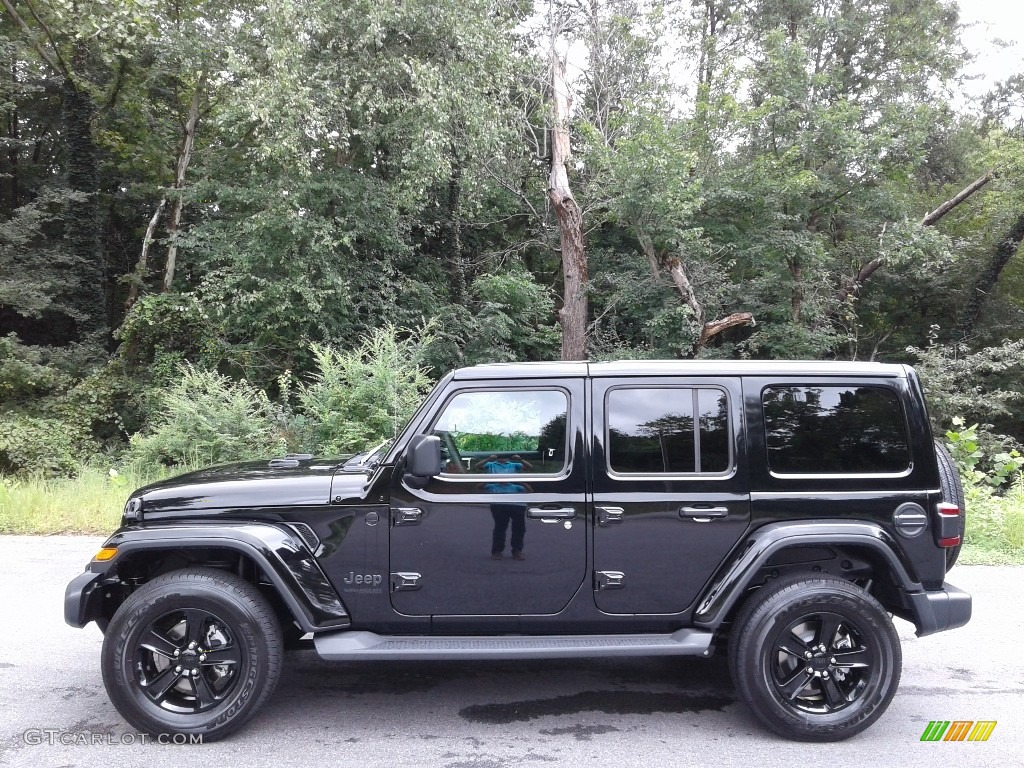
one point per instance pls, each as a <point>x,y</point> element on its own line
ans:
<point>218,219</point>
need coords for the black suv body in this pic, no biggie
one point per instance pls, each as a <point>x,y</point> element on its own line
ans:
<point>780,511</point>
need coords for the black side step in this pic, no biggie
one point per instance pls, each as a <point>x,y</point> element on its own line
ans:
<point>353,645</point>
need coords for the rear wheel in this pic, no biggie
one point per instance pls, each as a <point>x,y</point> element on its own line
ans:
<point>195,651</point>
<point>953,493</point>
<point>815,658</point>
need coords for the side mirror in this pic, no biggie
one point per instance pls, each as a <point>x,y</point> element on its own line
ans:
<point>423,456</point>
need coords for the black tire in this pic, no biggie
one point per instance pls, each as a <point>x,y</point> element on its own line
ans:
<point>781,624</point>
<point>195,651</point>
<point>952,492</point>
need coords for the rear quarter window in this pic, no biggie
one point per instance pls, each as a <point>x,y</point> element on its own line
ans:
<point>834,430</point>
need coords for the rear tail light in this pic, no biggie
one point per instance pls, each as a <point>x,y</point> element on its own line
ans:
<point>948,528</point>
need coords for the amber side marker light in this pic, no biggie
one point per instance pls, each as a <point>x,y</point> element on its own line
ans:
<point>105,554</point>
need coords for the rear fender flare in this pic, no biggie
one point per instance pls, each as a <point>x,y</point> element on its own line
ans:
<point>731,580</point>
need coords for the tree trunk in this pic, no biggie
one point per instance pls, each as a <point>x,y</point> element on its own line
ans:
<point>573,315</point>
<point>139,275</point>
<point>12,134</point>
<point>184,158</point>
<point>1004,250</point>
<point>86,294</point>
<point>715,327</point>
<point>452,237</point>
<point>708,330</point>
<point>796,297</point>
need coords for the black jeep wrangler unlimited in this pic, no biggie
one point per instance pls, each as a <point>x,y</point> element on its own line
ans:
<point>779,511</point>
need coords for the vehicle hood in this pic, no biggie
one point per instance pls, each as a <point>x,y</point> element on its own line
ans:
<point>307,482</point>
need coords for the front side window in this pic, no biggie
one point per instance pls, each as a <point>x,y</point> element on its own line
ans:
<point>504,433</point>
<point>667,430</point>
<point>834,430</point>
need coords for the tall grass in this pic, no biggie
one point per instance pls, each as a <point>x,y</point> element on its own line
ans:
<point>91,502</point>
<point>995,525</point>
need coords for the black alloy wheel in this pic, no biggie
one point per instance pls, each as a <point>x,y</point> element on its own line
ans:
<point>814,657</point>
<point>821,663</point>
<point>187,660</point>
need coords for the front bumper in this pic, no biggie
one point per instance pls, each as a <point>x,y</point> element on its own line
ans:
<point>83,599</point>
<point>936,610</point>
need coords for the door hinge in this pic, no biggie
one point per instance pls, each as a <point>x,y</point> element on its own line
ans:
<point>405,582</point>
<point>406,516</point>
<point>609,515</point>
<point>609,580</point>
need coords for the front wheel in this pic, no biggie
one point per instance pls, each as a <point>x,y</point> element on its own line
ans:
<point>194,651</point>
<point>815,658</point>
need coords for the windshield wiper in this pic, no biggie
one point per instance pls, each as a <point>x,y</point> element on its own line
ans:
<point>367,459</point>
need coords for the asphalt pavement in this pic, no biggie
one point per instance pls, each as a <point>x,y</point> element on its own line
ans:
<point>614,712</point>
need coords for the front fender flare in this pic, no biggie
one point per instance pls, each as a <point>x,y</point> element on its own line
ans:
<point>734,576</point>
<point>277,550</point>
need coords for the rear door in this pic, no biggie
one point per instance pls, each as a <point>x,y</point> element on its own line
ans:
<point>670,498</point>
<point>502,530</point>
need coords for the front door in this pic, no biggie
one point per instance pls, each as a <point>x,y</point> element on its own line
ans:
<point>670,495</point>
<point>502,530</point>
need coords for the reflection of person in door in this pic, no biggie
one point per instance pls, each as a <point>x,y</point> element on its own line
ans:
<point>504,514</point>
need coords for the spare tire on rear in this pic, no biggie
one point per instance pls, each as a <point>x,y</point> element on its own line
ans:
<point>953,493</point>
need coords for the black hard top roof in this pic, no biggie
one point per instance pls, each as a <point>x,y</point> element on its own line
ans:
<point>681,368</point>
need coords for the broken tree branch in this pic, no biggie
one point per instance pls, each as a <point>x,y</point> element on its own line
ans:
<point>851,286</point>
<point>958,198</point>
<point>50,58</point>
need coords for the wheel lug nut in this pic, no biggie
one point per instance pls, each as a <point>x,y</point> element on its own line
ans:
<point>202,657</point>
<point>808,654</point>
<point>825,673</point>
<point>809,671</point>
<point>177,669</point>
<point>192,646</point>
<point>832,660</point>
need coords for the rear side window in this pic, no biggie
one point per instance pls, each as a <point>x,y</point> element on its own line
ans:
<point>667,430</point>
<point>834,430</point>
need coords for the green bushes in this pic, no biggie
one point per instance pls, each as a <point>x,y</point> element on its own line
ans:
<point>357,398</point>
<point>993,478</point>
<point>54,420</point>
<point>52,476</point>
<point>351,400</point>
<point>976,386</point>
<point>983,458</point>
<point>207,418</point>
<point>35,445</point>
